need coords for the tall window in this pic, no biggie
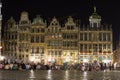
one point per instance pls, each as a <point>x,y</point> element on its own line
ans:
<point>37,39</point>
<point>52,30</point>
<point>64,43</point>
<point>109,46</point>
<point>48,53</point>
<point>37,49</point>
<point>56,53</point>
<point>56,29</point>
<point>52,53</point>
<point>68,28</point>
<point>95,49</point>
<point>100,36</point>
<point>81,47</point>
<point>32,50</point>
<point>72,27</point>
<point>90,36</point>
<point>68,44</point>
<point>81,36</point>
<point>108,37</point>
<point>95,24</point>
<point>38,30</point>
<point>85,36</point>
<point>90,47</point>
<point>48,43</point>
<point>27,37</point>
<point>75,36</point>
<point>75,44</point>
<point>71,36</point>
<point>27,46</point>
<point>42,50</point>
<point>42,38</point>
<point>32,30</point>
<point>85,47</point>
<point>68,36</point>
<point>21,37</point>
<point>64,36</point>
<point>12,36</point>
<point>32,39</point>
<point>59,53</point>
<point>104,46</point>
<point>104,36</point>
<point>100,47</point>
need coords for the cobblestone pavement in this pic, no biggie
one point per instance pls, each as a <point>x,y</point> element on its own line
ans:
<point>58,75</point>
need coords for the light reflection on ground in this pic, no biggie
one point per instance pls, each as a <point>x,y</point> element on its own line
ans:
<point>58,75</point>
<point>49,75</point>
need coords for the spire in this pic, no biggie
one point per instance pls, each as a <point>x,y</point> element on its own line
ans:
<point>95,19</point>
<point>94,9</point>
<point>95,15</point>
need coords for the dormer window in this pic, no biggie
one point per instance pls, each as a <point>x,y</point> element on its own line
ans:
<point>95,24</point>
<point>68,27</point>
<point>54,22</point>
<point>24,22</point>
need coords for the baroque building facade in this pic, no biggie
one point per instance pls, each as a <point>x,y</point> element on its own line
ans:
<point>40,41</point>
<point>95,41</point>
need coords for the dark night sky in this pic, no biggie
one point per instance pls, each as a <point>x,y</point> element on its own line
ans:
<point>82,9</point>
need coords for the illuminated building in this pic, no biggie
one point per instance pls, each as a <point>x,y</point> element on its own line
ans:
<point>53,41</point>
<point>10,39</point>
<point>23,37</point>
<point>95,40</point>
<point>70,41</point>
<point>39,41</point>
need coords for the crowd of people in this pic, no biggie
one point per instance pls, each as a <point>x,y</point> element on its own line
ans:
<point>97,66</point>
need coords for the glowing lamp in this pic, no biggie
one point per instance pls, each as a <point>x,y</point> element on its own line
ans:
<point>32,59</point>
<point>49,59</point>
<point>2,58</point>
<point>85,60</point>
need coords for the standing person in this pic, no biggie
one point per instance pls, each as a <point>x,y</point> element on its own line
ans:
<point>104,66</point>
<point>38,66</point>
<point>115,64</point>
<point>1,65</point>
<point>11,65</point>
<point>23,66</point>
<point>28,66</point>
<point>111,66</point>
<point>7,66</point>
<point>90,66</point>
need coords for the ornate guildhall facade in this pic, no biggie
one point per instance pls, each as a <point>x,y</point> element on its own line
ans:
<point>39,41</point>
